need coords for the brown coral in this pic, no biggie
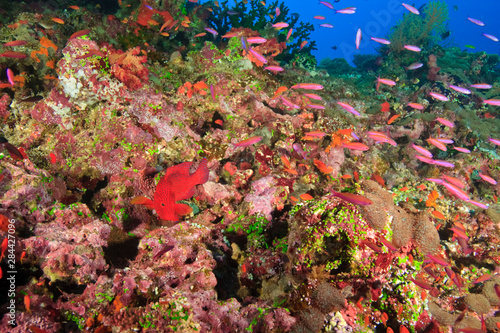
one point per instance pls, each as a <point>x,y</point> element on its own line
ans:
<point>375,213</point>
<point>407,223</point>
<point>489,291</point>
<point>328,298</point>
<point>440,315</point>
<point>425,234</point>
<point>477,303</point>
<point>401,228</point>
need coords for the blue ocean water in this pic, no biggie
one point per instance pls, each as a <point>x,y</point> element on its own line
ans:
<point>375,18</point>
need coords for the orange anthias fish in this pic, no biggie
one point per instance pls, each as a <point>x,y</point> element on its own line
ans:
<point>177,184</point>
<point>279,91</point>
<point>322,167</point>
<point>27,303</point>
<point>58,20</point>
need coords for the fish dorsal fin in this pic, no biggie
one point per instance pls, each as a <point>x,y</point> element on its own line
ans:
<point>141,200</point>
<point>174,175</point>
<point>182,169</point>
<point>201,174</point>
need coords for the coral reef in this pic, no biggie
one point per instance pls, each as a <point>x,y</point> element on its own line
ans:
<point>422,29</point>
<point>158,176</point>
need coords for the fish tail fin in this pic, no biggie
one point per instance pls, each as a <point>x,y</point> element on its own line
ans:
<point>182,209</point>
<point>141,200</point>
<point>201,174</point>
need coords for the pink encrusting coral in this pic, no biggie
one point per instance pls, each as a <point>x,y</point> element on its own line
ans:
<point>267,208</point>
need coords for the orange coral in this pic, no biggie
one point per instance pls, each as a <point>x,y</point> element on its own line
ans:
<point>146,13</point>
<point>42,51</point>
<point>50,63</point>
<point>190,89</point>
<point>20,80</point>
<point>45,42</point>
<point>431,199</point>
<point>128,67</point>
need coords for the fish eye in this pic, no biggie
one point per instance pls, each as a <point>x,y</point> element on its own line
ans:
<point>163,204</point>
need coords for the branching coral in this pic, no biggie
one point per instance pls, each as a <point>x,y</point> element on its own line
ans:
<point>260,18</point>
<point>420,29</point>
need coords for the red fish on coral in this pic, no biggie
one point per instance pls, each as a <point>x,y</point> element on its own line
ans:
<point>386,107</point>
<point>177,184</point>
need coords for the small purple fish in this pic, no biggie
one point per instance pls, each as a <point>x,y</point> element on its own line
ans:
<point>326,3</point>
<point>299,150</point>
<point>259,56</point>
<point>487,178</point>
<point>280,25</point>
<point>274,68</point>
<point>289,103</point>
<point>439,97</point>
<point>412,48</point>
<point>493,38</point>
<point>462,150</point>
<point>456,191</point>
<point>10,76</point>
<point>326,25</point>
<point>212,92</point>
<point>494,141</point>
<point>313,96</point>
<point>212,31</point>
<point>244,43</point>
<point>495,102</point>
<point>456,281</point>
<point>481,86</point>
<point>422,150</point>
<point>424,159</point>
<point>415,65</point>
<point>443,163</point>
<point>446,122</point>
<point>421,284</point>
<point>438,260</point>
<point>359,35</point>
<point>381,40</point>
<point>478,204</point>
<point>411,8</point>
<point>475,21</point>
<point>460,89</point>
<point>445,141</point>
<point>310,86</point>
<point>348,108</point>
<point>256,40</point>
<point>348,10</point>
<point>315,106</point>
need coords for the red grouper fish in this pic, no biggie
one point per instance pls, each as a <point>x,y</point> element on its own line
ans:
<point>177,184</point>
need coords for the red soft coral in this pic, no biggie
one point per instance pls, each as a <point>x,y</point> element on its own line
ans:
<point>128,67</point>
